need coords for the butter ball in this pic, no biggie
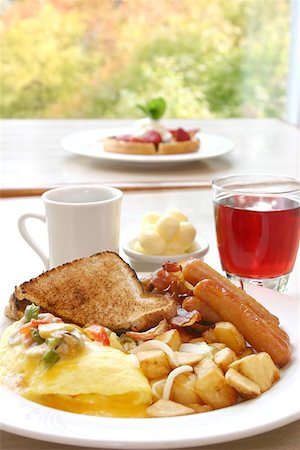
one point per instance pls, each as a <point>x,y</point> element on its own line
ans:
<point>177,214</point>
<point>174,248</point>
<point>152,242</point>
<point>167,227</point>
<point>186,234</point>
<point>150,218</point>
<point>138,248</point>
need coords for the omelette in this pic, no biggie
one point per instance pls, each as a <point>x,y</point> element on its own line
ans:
<point>60,366</point>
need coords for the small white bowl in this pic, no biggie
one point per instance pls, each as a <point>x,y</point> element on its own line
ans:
<point>149,263</point>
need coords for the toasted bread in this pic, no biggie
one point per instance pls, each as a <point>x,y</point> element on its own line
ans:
<point>100,289</point>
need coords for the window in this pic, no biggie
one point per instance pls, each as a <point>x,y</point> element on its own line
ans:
<point>99,58</point>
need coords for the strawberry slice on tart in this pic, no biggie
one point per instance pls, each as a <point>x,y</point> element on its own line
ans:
<point>150,137</point>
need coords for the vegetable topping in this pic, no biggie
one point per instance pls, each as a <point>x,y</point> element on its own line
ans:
<point>31,312</point>
<point>97,333</point>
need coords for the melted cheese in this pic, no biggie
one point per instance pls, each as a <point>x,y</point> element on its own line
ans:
<point>96,405</point>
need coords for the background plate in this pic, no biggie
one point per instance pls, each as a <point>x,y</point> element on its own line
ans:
<point>276,407</point>
<point>89,143</point>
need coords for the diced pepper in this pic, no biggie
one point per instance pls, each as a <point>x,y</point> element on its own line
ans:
<point>53,342</point>
<point>26,328</point>
<point>50,357</point>
<point>97,333</point>
<point>31,312</point>
<point>36,336</point>
<point>34,323</point>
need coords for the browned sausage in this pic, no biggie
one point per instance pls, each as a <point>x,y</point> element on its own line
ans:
<point>195,270</point>
<point>261,334</point>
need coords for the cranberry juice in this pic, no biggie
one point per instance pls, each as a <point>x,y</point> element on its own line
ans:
<point>258,237</point>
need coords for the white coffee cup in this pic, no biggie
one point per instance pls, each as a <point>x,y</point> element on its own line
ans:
<point>81,220</point>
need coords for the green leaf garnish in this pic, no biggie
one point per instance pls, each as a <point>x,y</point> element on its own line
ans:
<point>143,109</point>
<point>154,108</point>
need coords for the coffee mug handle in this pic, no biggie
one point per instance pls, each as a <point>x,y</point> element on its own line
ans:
<point>29,239</point>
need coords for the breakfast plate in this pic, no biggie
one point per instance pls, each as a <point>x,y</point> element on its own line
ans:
<point>89,143</point>
<point>275,408</point>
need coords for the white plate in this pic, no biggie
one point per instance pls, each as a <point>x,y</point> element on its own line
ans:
<point>89,143</point>
<point>276,407</point>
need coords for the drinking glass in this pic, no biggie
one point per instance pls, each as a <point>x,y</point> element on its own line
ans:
<point>257,219</point>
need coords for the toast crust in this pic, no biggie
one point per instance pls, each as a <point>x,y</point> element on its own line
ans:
<point>113,145</point>
<point>101,289</point>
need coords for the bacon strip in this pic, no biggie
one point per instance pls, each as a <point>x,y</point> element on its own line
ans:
<point>152,333</point>
<point>185,318</point>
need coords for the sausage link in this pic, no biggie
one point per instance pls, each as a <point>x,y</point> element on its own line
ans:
<point>195,270</point>
<point>261,334</point>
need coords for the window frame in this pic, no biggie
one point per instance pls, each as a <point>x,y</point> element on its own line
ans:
<point>293,98</point>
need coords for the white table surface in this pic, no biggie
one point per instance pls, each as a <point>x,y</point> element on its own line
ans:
<point>19,263</point>
<point>32,157</point>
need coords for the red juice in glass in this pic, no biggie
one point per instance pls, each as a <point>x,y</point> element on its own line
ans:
<point>258,236</point>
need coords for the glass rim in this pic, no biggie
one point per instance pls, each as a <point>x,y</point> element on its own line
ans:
<point>253,183</point>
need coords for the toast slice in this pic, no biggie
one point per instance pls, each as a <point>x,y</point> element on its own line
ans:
<point>101,289</point>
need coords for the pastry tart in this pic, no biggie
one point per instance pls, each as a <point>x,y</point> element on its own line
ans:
<point>149,136</point>
<point>117,145</point>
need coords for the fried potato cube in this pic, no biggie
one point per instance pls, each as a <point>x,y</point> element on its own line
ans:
<point>198,339</point>
<point>217,346</point>
<point>245,387</point>
<point>224,357</point>
<point>168,408</point>
<point>154,363</point>
<point>171,338</point>
<point>189,359</point>
<point>205,363</point>
<point>209,336</point>
<point>212,387</point>
<point>183,390</point>
<point>271,371</point>
<point>259,368</point>
<point>227,333</point>
<point>200,408</point>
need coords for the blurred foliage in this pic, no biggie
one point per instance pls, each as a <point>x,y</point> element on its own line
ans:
<point>99,58</point>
